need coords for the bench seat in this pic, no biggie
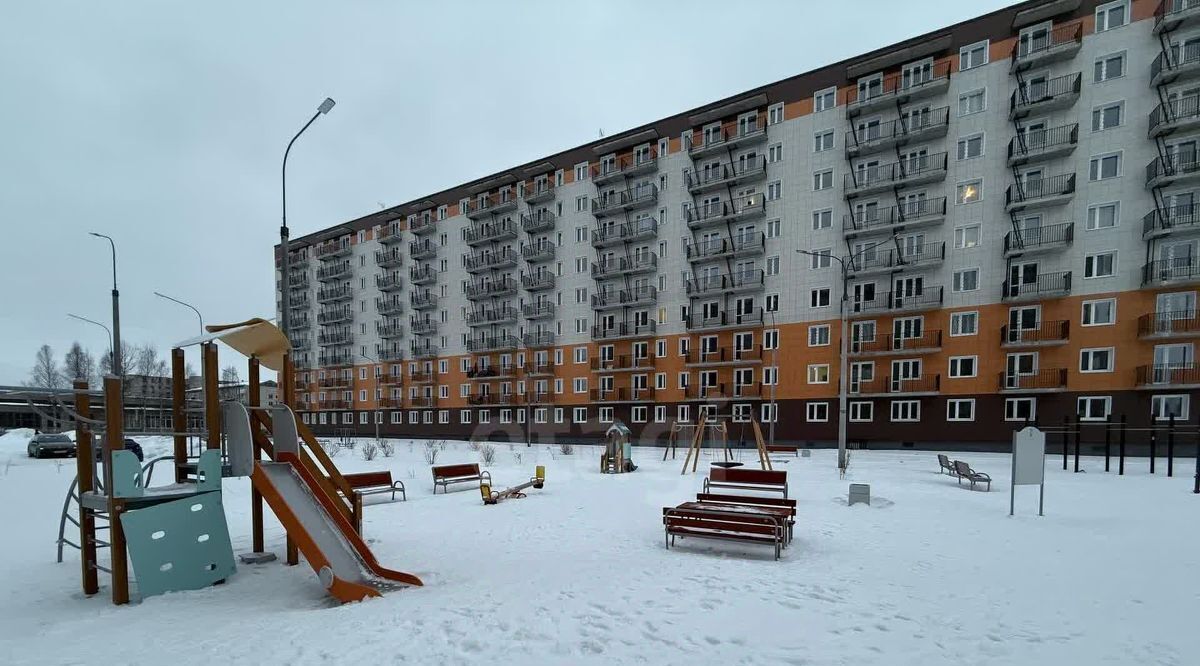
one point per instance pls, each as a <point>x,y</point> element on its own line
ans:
<point>447,475</point>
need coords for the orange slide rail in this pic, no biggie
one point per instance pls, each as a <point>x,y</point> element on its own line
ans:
<point>340,589</point>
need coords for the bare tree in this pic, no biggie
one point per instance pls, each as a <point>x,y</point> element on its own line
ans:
<point>45,371</point>
<point>146,361</point>
<point>105,365</point>
<point>78,365</point>
<point>229,375</point>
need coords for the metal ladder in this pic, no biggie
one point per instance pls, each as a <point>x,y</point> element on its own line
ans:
<point>73,497</point>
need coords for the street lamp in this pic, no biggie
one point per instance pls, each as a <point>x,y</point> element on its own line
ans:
<point>117,368</point>
<point>285,318</point>
<point>92,321</point>
<point>186,305</point>
<point>377,416</point>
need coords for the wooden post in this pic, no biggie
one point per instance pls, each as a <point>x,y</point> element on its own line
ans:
<point>114,440</point>
<point>85,470</point>
<point>178,412</point>
<point>256,501</point>
<point>212,397</point>
<point>289,399</point>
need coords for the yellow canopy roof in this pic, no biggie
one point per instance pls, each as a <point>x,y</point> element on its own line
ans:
<point>253,337</point>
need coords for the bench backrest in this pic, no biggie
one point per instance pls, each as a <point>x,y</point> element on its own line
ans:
<point>943,460</point>
<point>451,471</point>
<point>744,499</point>
<point>963,468</point>
<point>742,475</point>
<point>369,479</point>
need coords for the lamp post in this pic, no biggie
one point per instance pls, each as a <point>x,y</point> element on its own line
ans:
<point>285,317</point>
<point>375,416</point>
<point>117,365</point>
<point>92,321</point>
<point>186,305</point>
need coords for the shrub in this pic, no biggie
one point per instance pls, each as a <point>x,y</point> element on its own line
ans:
<point>388,449</point>
<point>369,450</point>
<point>566,448</point>
<point>473,445</point>
<point>332,449</point>
<point>487,453</point>
<point>517,458</point>
<point>431,452</point>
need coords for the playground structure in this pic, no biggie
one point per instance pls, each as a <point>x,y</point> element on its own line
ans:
<point>720,429</point>
<point>496,496</point>
<point>618,450</point>
<point>175,535</point>
<point>1168,434</point>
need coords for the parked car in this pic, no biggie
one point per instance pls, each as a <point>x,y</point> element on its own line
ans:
<point>43,445</point>
<point>130,445</point>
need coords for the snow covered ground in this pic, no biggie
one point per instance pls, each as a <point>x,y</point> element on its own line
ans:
<point>930,573</point>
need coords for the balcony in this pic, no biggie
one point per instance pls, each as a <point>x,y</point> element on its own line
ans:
<point>725,212</point>
<point>1176,115</point>
<point>1174,14</point>
<point>921,385</point>
<point>535,311</point>
<point>389,258</point>
<point>335,358</point>
<point>334,294</point>
<point>1177,64</point>
<point>893,261</point>
<point>917,170</point>
<point>422,225</point>
<point>299,322</point>
<point>630,232</point>
<point>638,296</point>
<point>1044,96</point>
<point>636,198</point>
<point>622,394</point>
<point>389,305</point>
<point>300,342</point>
<point>645,262</point>
<point>543,369</point>
<point>538,339</point>
<point>422,351</point>
<point>723,355</point>
<point>899,88</point>
<point>895,219</point>
<point>491,343</point>
<point>1041,334</point>
<point>1169,325</point>
<point>1044,286</point>
<point>422,249</point>
<point>696,321</point>
<point>540,191</point>
<point>539,251</point>
<point>335,338</point>
<point>391,402</point>
<point>389,329</point>
<point>1059,44</point>
<point>488,398</point>
<point>298,261</point>
<point>482,371</point>
<point>624,330</point>
<point>334,271</point>
<point>625,166</point>
<point>726,175</point>
<point>489,316</point>
<point>490,232</point>
<point>622,363</point>
<point>929,342</point>
<point>299,281</point>
<point>730,136</point>
<point>537,222</point>
<point>1172,271</point>
<point>333,249</point>
<point>487,288</point>
<point>917,300</point>
<point>537,281</point>
<point>496,203</point>
<point>422,325</point>
<point>1176,169</point>
<point>333,403</point>
<point>1039,193</point>
<point>740,245</point>
<point>299,302</point>
<point>1038,240</point>
<point>876,138</point>
<point>388,354</point>
<point>390,379</point>
<point>1042,145</point>
<point>422,274</point>
<point>390,234</point>
<point>424,401</point>
<point>1046,380</point>
<point>388,282</point>
<point>423,300</point>
<point>490,260</point>
<point>726,283</point>
<point>335,380</point>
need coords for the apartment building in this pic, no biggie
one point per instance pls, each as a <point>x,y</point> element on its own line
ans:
<point>1011,199</point>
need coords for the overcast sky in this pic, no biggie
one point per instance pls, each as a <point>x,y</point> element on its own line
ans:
<point>163,124</point>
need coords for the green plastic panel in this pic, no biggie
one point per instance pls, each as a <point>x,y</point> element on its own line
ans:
<point>208,471</point>
<point>127,474</point>
<point>179,545</point>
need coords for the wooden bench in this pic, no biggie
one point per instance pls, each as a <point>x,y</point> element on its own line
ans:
<point>713,522</point>
<point>745,500</point>
<point>793,449</point>
<point>375,483</point>
<point>747,479</point>
<point>445,475</point>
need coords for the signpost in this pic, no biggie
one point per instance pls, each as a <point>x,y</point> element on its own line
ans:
<point>1028,465</point>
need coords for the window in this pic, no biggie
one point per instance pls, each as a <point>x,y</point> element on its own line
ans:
<point>772,265</point>
<point>771,338</point>
<point>970,147</point>
<point>825,100</point>
<point>1100,313</point>
<point>964,323</point>
<point>906,410</point>
<point>817,412</point>
<point>822,258</point>
<point>579,415</point>
<point>818,336</point>
<point>1020,409</point>
<point>966,280</point>
<point>581,171</point>
<point>963,366</point>
<point>770,375</point>
<point>774,115</point>
<point>960,409</point>
<point>638,414</point>
<point>774,190</point>
<point>1103,216</point>
<point>1100,265</point>
<point>1111,15</point>
<point>772,303</point>
<point>775,153</point>
<point>823,180</point>
<point>1093,407</point>
<point>822,219</point>
<point>862,411</point>
<point>1096,360</point>
<point>823,141</point>
<point>818,373</point>
<point>1163,407</point>
<point>581,204</point>
<point>606,414</point>
<point>1103,167</point>
<point>965,237</point>
<point>579,384</point>
<point>972,102</point>
<point>969,192</point>
<point>1107,116</point>
<point>975,55</point>
<point>819,298</point>
<point>1108,67</point>
<point>464,415</point>
<point>770,412</point>
<point>772,228</point>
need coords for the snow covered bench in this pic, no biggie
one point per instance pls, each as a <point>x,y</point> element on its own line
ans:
<point>747,479</point>
<point>446,475</point>
<point>731,523</point>
<point>793,449</point>
<point>376,483</point>
<point>946,465</point>
<point>745,500</point>
<point>965,472</point>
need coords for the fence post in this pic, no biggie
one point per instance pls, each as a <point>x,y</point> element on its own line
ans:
<point>1196,487</point>
<point>1171,447</point>
<point>1078,436</point>
<point>1153,445</point>
<point>1065,440</point>
<point>1107,442</point>
<point>1121,447</point>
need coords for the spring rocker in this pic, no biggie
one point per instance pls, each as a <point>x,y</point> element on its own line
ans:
<point>496,496</point>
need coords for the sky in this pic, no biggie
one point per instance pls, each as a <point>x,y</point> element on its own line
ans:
<point>163,124</point>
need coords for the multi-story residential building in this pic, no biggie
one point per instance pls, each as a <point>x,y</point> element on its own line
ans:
<point>1011,197</point>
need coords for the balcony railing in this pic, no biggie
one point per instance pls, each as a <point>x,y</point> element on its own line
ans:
<point>1174,269</point>
<point>719,248</point>
<point>638,263</point>
<point>1036,239</point>
<point>492,343</point>
<point>389,329</point>
<point>1175,114</point>
<point>299,301</point>
<point>498,315</point>
<point>423,224</point>
<point>1175,324</point>
<point>876,137</point>
<point>1040,334</point>
<point>335,358</point>
<point>622,394</point>
<point>1046,285</point>
<point>335,338</point>
<point>910,171</point>
<point>301,321</point>
<point>335,379</point>
<point>1026,193</point>
<point>537,280</point>
<point>1055,93</point>
<point>333,249</point>
<point>1161,172</point>
<point>299,281</point>
<point>539,369</point>
<point>538,339</point>
<point>491,204</point>
<point>726,282</point>
<point>624,330</point>
<point>424,401</point>
<point>892,260</point>
<point>388,354</point>
<point>908,213</point>
<point>1174,63</point>
<point>725,175</point>
<point>300,341</point>
<point>422,351</point>
<point>388,282</point>
<point>335,315</point>
<point>729,136</point>
<point>389,258</point>
<point>927,341</point>
<point>723,354</point>
<point>423,300</point>
<point>390,233</point>
<point>422,249</point>
<point>539,191</point>
<point>697,320</point>
<point>637,197</point>
<point>923,298</point>
<point>477,289</point>
<point>422,325</point>
<point>1030,146</point>
<point>422,274</point>
<point>629,232</point>
<point>1163,221</point>
<point>636,296</point>
<point>921,384</point>
<point>622,362</point>
<point>538,221</point>
<point>898,88</point>
<point>1171,14</point>
<point>333,271</point>
<point>490,260</point>
<point>334,403</point>
<point>624,166</point>
<point>1060,42</point>
<point>481,371</point>
<point>490,232</point>
<point>544,310</point>
<point>723,212</point>
<point>1046,379</point>
<point>389,305</point>
<point>539,251</point>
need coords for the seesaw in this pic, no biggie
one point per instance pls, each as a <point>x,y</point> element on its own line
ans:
<point>496,496</point>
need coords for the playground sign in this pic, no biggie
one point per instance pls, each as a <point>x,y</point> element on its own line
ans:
<point>1028,464</point>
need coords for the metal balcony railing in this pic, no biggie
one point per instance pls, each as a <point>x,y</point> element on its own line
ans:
<point>496,315</point>
<point>717,248</point>
<point>912,212</point>
<point>622,362</point>
<point>893,132</point>
<point>881,259</point>
<point>1048,285</point>
<point>643,195</point>
<point>390,233</point>
<point>1172,167</point>
<point>300,321</point>
<point>389,258</point>
<point>333,249</point>
<point>1044,332</point>
<point>490,232</point>
<point>335,315</point>
<point>504,257</point>
<point>492,343</point>
<point>1175,111</point>
<point>335,379</point>
<point>895,174</point>
<point>625,233</point>
<point>1167,62</point>
<point>625,165</point>
<point>422,249</point>
<point>491,204</point>
<point>1025,98</point>
<point>537,280</point>
<point>1174,269</point>
<point>335,338</point>
<point>477,289</point>
<point>705,284</point>
<point>388,282</point>
<point>1172,218</point>
<point>729,134</point>
<point>719,212</point>
<point>723,354</point>
<point>540,251</point>
<point>697,320</point>
<point>422,300</point>
<point>539,191</point>
<point>1178,323</point>
<point>422,274</point>
<point>625,330</point>
<point>1046,379</point>
<point>924,297</point>
<point>333,271</point>
<point>1037,238</point>
<point>335,358</point>
<point>900,84</point>
<point>723,174</point>
<point>389,305</point>
<point>423,224</point>
<point>389,329</point>
<point>545,310</point>
<point>1059,37</point>
<point>422,325</point>
<point>1031,144</point>
<point>928,340</point>
<point>1031,191</point>
<point>388,354</point>
<point>638,263</point>
<point>538,339</point>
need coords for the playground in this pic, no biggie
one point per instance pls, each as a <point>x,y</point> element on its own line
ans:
<point>577,572</point>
